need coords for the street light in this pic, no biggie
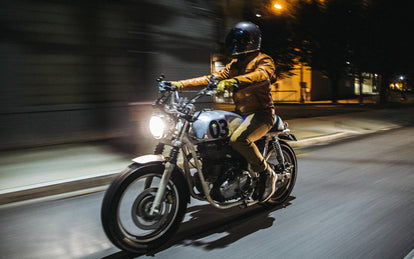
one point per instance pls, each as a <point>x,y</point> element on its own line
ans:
<point>277,6</point>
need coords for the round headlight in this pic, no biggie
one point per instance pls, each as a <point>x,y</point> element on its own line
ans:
<point>157,127</point>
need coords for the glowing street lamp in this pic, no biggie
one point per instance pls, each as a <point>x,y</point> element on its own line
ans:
<point>277,6</point>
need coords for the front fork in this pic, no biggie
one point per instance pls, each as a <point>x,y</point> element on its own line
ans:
<point>169,168</point>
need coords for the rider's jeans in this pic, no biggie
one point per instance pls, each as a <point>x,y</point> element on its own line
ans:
<point>253,127</point>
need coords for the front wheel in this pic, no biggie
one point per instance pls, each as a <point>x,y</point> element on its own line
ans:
<point>286,186</point>
<point>126,208</point>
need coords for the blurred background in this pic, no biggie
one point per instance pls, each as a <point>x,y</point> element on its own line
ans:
<point>75,71</point>
<point>72,70</point>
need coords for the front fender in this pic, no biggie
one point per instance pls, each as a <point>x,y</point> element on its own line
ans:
<point>148,159</point>
<point>151,160</point>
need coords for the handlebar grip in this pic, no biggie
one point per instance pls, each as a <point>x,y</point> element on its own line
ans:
<point>167,86</point>
<point>213,81</point>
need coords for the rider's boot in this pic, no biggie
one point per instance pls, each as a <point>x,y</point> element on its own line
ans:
<point>267,182</point>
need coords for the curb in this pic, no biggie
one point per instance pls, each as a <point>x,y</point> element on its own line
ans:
<point>325,139</point>
<point>42,190</point>
<point>56,187</point>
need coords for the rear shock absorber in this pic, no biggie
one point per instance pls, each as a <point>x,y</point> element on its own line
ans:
<point>278,152</point>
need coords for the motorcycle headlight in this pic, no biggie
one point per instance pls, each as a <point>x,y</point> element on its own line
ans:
<point>157,127</point>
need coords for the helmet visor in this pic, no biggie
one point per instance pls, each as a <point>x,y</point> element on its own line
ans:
<point>237,41</point>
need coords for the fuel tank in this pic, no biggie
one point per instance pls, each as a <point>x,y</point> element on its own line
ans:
<point>214,125</point>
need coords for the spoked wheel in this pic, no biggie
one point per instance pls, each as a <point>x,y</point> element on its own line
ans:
<point>285,187</point>
<point>126,209</point>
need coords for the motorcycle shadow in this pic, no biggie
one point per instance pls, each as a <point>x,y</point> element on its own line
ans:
<point>230,225</point>
<point>204,222</point>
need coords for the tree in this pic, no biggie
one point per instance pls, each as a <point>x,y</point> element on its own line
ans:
<point>277,33</point>
<point>278,43</point>
<point>389,48</point>
<point>338,37</point>
<point>355,35</point>
<point>324,30</point>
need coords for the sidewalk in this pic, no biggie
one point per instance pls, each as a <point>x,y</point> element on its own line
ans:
<point>39,172</point>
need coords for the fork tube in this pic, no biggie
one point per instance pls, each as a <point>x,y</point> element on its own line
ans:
<point>169,168</point>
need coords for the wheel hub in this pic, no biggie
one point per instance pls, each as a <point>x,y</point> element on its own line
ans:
<point>144,208</point>
<point>141,210</point>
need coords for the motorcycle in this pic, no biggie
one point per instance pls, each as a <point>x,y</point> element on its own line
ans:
<point>145,204</point>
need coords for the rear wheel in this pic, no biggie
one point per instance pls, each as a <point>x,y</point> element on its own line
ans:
<point>126,207</point>
<point>285,187</point>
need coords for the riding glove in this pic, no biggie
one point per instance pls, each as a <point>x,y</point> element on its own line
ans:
<point>226,84</point>
<point>178,84</point>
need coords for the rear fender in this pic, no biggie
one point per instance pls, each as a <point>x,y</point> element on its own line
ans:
<point>288,136</point>
<point>285,134</point>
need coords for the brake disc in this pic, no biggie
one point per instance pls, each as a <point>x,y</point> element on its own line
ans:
<point>140,211</point>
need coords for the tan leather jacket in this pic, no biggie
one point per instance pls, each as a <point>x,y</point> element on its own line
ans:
<point>254,75</point>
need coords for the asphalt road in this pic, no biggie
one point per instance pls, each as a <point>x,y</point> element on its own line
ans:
<point>352,199</point>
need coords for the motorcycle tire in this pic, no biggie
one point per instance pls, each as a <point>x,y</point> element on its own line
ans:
<point>132,192</point>
<point>283,192</point>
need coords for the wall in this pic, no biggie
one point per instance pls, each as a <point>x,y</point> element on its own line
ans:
<point>321,87</point>
<point>288,89</point>
<point>70,69</point>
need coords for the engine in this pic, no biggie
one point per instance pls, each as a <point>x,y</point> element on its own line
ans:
<point>225,169</point>
<point>234,184</point>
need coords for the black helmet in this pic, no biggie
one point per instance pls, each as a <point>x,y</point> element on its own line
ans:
<point>245,37</point>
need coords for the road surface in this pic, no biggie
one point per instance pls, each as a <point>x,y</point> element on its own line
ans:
<point>352,199</point>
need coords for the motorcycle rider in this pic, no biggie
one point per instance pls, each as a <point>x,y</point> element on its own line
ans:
<point>252,72</point>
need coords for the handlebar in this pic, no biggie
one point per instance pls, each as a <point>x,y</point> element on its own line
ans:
<point>166,86</point>
<point>179,105</point>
